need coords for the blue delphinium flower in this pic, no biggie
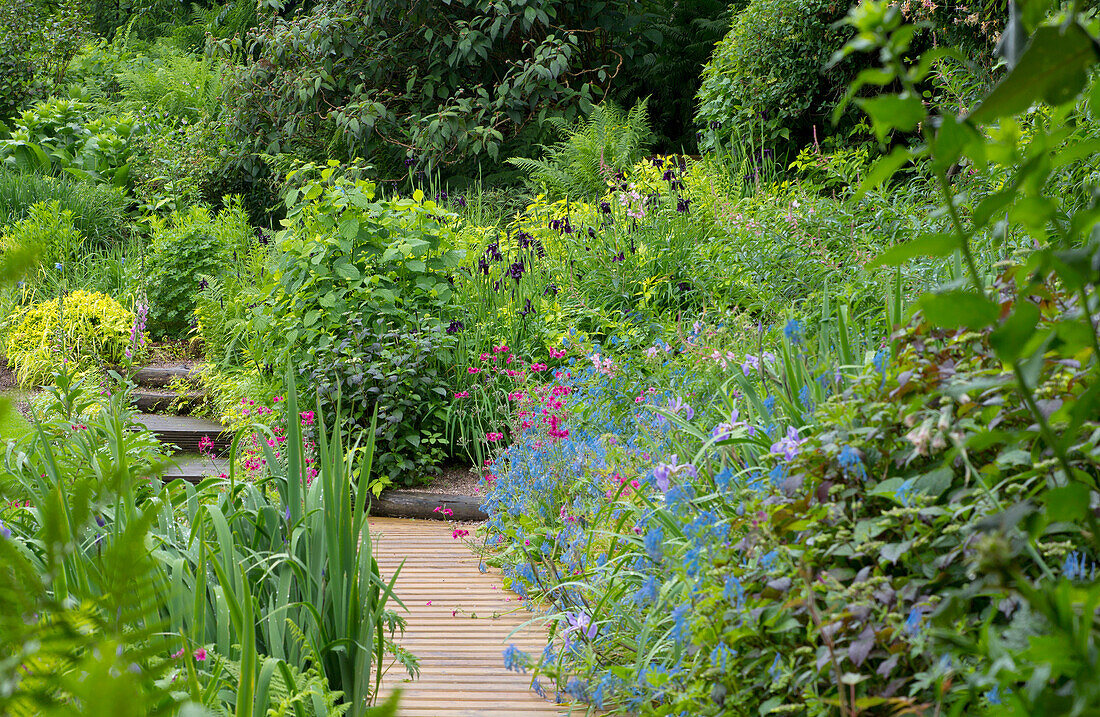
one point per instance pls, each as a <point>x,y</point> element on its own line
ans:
<point>5,531</point>
<point>733,592</point>
<point>647,593</point>
<point>850,462</point>
<point>1077,568</point>
<point>994,695</point>
<point>723,479</point>
<point>806,398</point>
<point>680,627</point>
<point>515,659</point>
<point>905,493</point>
<point>719,656</point>
<point>776,668</point>
<point>654,544</point>
<point>793,331</point>
<point>914,622</point>
<point>536,687</point>
<point>605,688</point>
<point>576,689</point>
<point>769,402</point>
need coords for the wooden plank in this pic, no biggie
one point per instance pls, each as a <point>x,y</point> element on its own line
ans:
<point>461,657</point>
<point>424,506</point>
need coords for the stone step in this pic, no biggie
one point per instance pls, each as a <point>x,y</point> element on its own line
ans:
<point>186,432</point>
<point>161,376</point>
<point>153,401</point>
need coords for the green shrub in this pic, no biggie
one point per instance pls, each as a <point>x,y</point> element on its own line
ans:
<point>360,294</point>
<point>595,149</point>
<point>183,249</point>
<point>767,76</point>
<point>83,329</point>
<point>49,230</point>
<point>98,211</point>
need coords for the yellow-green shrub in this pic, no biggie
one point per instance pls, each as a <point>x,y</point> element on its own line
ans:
<point>83,328</point>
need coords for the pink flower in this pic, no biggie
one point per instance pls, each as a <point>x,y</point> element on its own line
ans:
<point>516,396</point>
<point>473,370</point>
<point>485,357</point>
<point>200,654</point>
<point>493,437</point>
<point>277,399</point>
<point>461,394</point>
<point>177,655</point>
<point>459,533</point>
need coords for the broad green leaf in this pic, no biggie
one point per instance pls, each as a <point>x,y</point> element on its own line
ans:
<point>1011,336</point>
<point>958,309</point>
<point>934,483</point>
<point>1053,68</point>
<point>884,168</point>
<point>893,112</point>
<point>1066,503</point>
<point>928,245</point>
<point>348,271</point>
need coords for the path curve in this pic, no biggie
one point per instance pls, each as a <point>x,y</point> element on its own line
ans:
<point>452,628</point>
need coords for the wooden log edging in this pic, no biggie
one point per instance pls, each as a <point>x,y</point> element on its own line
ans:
<point>427,506</point>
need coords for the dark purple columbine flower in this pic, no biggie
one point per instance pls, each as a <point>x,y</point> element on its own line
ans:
<point>656,161</point>
<point>540,250</point>
<point>591,232</point>
<point>619,257</point>
<point>669,175</point>
<point>675,185</point>
<point>410,161</point>
<point>605,207</point>
<point>684,286</point>
<point>524,239</point>
<point>527,309</point>
<point>493,251</point>
<point>483,266</point>
<point>715,124</point>
<point>455,327</point>
<point>554,223</point>
<point>496,285</point>
<point>682,205</point>
<point>550,290</point>
<point>460,200</point>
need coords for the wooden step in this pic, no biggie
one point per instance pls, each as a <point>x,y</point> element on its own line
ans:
<point>161,376</point>
<point>427,506</point>
<point>154,401</point>
<point>193,468</point>
<point>186,432</point>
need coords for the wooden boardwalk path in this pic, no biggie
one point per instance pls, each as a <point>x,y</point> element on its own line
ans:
<point>459,622</point>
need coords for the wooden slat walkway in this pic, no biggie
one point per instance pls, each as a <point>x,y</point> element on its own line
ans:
<point>461,635</point>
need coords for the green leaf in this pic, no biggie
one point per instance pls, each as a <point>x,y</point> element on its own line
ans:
<point>934,483</point>
<point>958,309</point>
<point>938,244</point>
<point>884,168</point>
<point>1067,503</point>
<point>1009,338</point>
<point>348,271</point>
<point>893,112</point>
<point>1053,68</point>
